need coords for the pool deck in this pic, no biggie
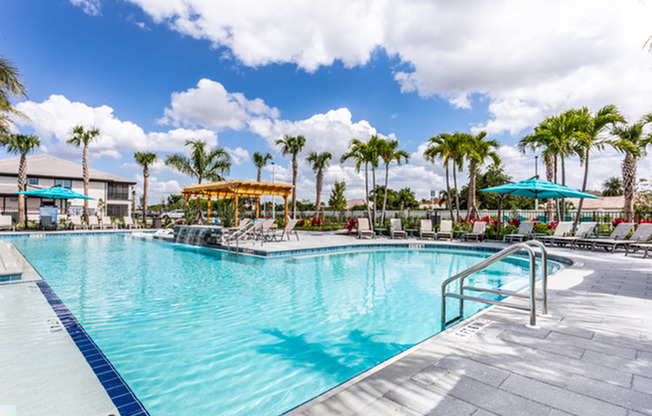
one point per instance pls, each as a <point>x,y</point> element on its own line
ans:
<point>591,356</point>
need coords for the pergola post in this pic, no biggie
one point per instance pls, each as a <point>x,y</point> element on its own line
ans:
<point>208,211</point>
<point>235,208</point>
<point>287,215</point>
<point>257,206</point>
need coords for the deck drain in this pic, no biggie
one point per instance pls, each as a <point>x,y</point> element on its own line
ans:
<point>53,324</point>
<point>472,327</point>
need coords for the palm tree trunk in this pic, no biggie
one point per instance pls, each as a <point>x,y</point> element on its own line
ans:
<point>562,209</point>
<point>586,177</point>
<point>470,205</point>
<point>558,213</point>
<point>457,192</point>
<point>382,217</point>
<point>550,205</point>
<point>258,178</point>
<point>366,188</point>
<point>22,179</point>
<point>145,183</point>
<point>373,175</point>
<point>295,168</point>
<point>448,194</point>
<point>320,178</point>
<point>629,185</point>
<point>86,177</point>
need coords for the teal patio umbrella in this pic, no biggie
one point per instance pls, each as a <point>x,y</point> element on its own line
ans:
<point>539,189</point>
<point>55,192</point>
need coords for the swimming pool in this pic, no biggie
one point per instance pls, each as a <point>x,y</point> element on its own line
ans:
<point>194,331</point>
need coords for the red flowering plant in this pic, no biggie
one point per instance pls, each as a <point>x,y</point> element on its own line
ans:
<point>351,224</point>
<point>514,221</point>
<point>316,222</point>
<point>301,223</point>
<point>616,221</point>
<point>552,225</point>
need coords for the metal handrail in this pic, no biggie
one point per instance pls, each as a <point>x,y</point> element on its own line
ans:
<point>488,262</point>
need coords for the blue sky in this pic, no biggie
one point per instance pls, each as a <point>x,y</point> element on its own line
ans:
<point>151,74</point>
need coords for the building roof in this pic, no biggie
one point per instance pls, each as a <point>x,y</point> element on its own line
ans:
<point>607,202</point>
<point>355,202</point>
<point>52,167</point>
<point>228,189</point>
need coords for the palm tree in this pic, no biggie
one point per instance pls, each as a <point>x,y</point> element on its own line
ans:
<point>82,137</point>
<point>359,152</point>
<point>442,146</point>
<point>389,154</point>
<point>632,142</point>
<point>145,159</point>
<point>202,163</point>
<point>319,162</point>
<point>21,144</point>
<point>260,161</point>
<point>374,145</point>
<point>10,85</point>
<point>477,150</point>
<point>291,145</point>
<point>612,187</point>
<point>591,129</point>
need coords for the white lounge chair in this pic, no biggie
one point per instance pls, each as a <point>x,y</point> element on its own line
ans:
<point>396,229</point>
<point>641,235</point>
<point>478,232</point>
<point>426,231</point>
<point>445,230</point>
<point>524,231</point>
<point>618,234</point>
<point>93,222</point>
<point>584,230</point>
<point>129,223</point>
<point>108,223</point>
<point>77,223</point>
<point>6,222</point>
<point>364,229</point>
<point>563,230</point>
<point>289,229</point>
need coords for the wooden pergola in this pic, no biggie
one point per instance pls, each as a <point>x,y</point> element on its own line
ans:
<point>235,190</point>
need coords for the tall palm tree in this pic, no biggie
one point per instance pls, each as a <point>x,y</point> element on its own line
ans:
<point>203,163</point>
<point>612,187</point>
<point>291,145</point>
<point>145,159</point>
<point>442,146</point>
<point>82,138</point>
<point>10,85</point>
<point>388,153</point>
<point>631,141</point>
<point>374,145</point>
<point>22,145</point>
<point>591,129</point>
<point>477,149</point>
<point>319,162</point>
<point>359,152</point>
<point>260,161</point>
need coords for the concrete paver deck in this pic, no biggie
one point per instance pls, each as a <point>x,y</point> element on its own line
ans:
<point>591,356</point>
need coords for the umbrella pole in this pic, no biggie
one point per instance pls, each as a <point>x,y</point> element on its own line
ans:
<point>500,217</point>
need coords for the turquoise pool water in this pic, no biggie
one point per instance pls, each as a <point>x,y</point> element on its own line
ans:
<point>197,332</point>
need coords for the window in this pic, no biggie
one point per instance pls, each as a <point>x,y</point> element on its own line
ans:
<point>115,210</point>
<point>32,181</point>
<point>64,183</point>
<point>117,191</point>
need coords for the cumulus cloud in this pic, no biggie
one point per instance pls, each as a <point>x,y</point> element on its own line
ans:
<point>211,106</point>
<point>238,155</point>
<point>54,118</point>
<point>156,189</point>
<point>90,7</point>
<point>527,59</point>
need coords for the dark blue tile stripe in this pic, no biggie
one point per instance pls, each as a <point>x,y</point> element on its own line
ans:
<point>117,389</point>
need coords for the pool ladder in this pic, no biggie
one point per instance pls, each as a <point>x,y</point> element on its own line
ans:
<point>527,246</point>
<point>238,235</point>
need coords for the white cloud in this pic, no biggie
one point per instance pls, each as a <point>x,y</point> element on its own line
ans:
<point>211,106</point>
<point>238,155</point>
<point>528,59</point>
<point>54,118</point>
<point>156,189</point>
<point>90,7</point>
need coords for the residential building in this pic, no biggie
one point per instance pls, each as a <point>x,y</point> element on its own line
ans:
<point>45,171</point>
